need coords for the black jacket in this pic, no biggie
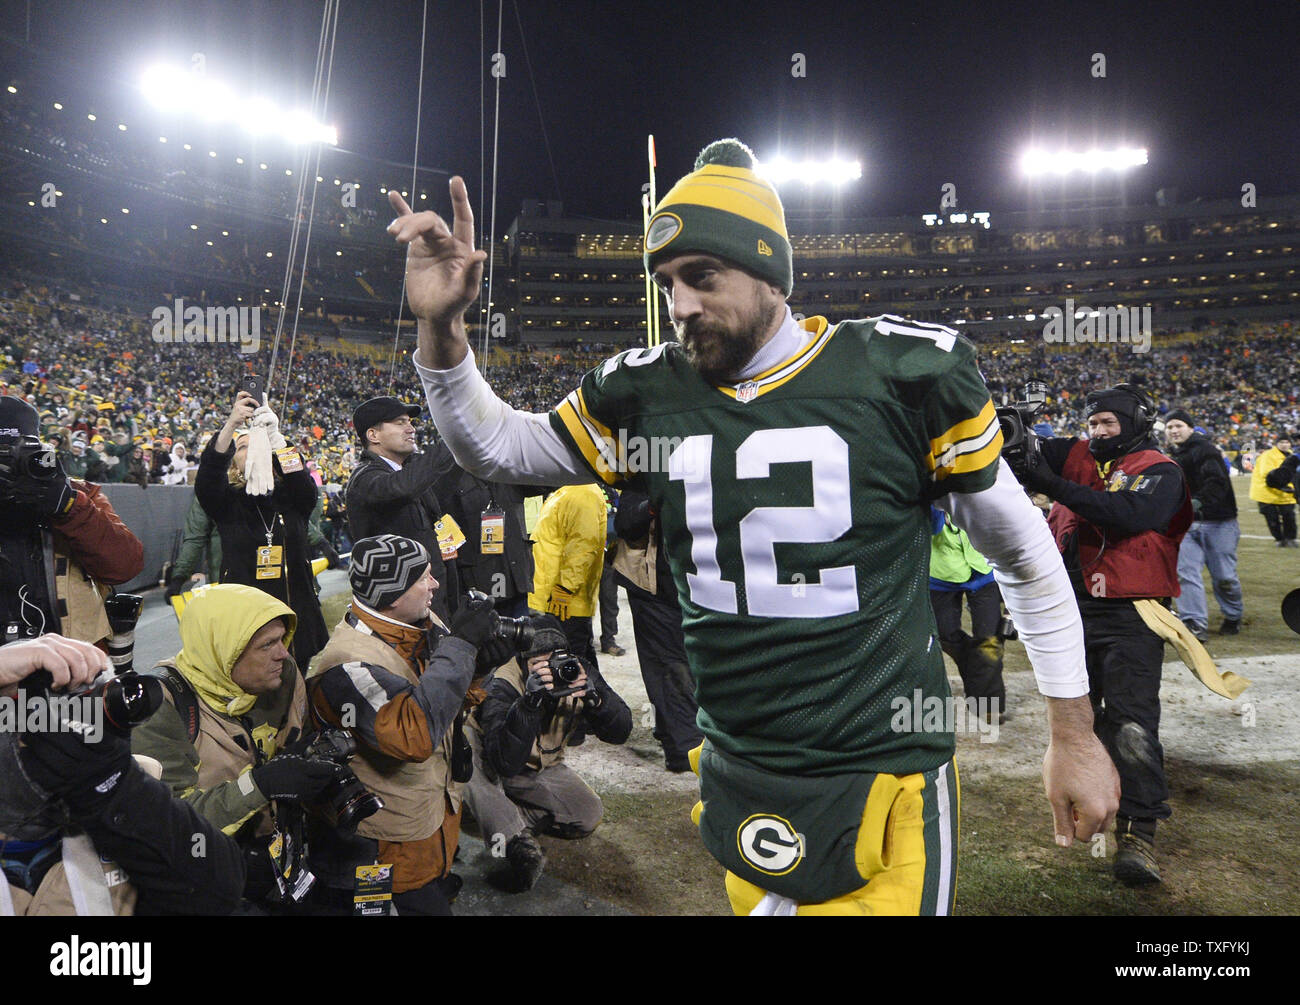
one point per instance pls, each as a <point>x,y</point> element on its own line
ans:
<point>1116,513</point>
<point>1283,476</point>
<point>242,520</point>
<point>510,727</point>
<point>405,502</point>
<point>502,576</point>
<point>1207,478</point>
<point>152,836</point>
<point>632,523</point>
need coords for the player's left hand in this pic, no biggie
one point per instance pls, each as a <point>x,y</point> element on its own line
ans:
<point>1082,787</point>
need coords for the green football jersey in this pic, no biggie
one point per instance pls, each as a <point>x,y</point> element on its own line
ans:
<point>795,515</point>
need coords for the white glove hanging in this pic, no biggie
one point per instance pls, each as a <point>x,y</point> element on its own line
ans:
<point>263,437</point>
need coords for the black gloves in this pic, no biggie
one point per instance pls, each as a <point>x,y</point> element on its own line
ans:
<point>51,497</point>
<point>80,767</point>
<point>492,654</point>
<point>536,694</point>
<point>1036,475</point>
<point>474,620</point>
<point>291,777</point>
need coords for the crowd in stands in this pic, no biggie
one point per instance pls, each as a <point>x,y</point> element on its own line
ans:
<point>1243,384</point>
<point>95,370</point>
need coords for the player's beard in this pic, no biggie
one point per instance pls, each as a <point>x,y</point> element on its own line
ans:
<point>719,353</point>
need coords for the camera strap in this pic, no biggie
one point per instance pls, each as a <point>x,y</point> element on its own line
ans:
<point>183,698</point>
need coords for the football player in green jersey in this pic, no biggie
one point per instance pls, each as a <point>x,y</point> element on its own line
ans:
<point>792,465</point>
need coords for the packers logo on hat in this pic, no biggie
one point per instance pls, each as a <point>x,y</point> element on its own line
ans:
<point>663,228</point>
<point>725,207</point>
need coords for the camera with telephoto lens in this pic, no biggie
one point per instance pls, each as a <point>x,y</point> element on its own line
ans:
<point>518,632</point>
<point>346,799</point>
<point>123,610</point>
<point>1019,441</point>
<point>26,457</point>
<point>129,698</point>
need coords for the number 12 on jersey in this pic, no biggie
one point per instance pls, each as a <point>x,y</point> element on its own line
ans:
<point>829,517</point>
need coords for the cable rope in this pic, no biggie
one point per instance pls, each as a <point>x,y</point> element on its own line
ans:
<point>492,228</point>
<point>415,162</point>
<point>320,107</point>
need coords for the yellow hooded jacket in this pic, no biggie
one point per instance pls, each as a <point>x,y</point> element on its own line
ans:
<point>237,730</point>
<point>569,549</point>
<point>1259,489</point>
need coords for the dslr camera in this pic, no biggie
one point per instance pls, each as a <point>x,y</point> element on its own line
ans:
<point>26,458</point>
<point>517,631</point>
<point>1019,441</point>
<point>565,669</point>
<point>346,802</point>
<point>129,698</point>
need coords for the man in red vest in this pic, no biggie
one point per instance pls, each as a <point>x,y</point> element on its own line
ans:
<point>1120,509</point>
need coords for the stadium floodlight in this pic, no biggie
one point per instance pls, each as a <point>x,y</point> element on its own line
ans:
<point>780,170</point>
<point>1039,162</point>
<point>171,89</point>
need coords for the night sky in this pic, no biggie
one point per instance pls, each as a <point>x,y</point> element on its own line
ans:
<point>923,94</point>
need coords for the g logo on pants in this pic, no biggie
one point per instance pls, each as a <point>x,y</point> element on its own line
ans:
<point>769,844</point>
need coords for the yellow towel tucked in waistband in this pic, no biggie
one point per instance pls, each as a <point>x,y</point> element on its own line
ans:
<point>1166,624</point>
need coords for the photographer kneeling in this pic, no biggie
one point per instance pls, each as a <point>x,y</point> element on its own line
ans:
<point>539,703</point>
<point>234,701</point>
<point>400,681</point>
<point>83,829</point>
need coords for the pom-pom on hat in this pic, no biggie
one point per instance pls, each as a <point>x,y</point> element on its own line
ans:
<point>724,208</point>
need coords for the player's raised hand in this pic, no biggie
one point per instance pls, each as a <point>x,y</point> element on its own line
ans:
<point>443,271</point>
<point>1082,786</point>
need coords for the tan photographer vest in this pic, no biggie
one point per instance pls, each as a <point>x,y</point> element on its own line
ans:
<point>412,791</point>
<point>79,602</point>
<point>73,887</point>
<point>221,756</point>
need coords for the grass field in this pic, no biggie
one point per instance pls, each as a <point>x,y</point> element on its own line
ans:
<point>1225,850</point>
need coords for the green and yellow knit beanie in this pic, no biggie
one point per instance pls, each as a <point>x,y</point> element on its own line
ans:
<point>724,208</point>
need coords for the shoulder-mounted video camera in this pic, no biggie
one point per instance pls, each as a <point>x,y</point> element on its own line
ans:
<point>26,458</point>
<point>1019,441</point>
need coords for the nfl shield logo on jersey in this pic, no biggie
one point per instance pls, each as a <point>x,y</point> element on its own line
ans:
<point>747,392</point>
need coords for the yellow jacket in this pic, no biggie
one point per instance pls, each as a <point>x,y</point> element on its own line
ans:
<point>1259,489</point>
<point>569,549</point>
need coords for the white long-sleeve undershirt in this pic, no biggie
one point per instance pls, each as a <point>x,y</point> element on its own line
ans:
<point>494,441</point>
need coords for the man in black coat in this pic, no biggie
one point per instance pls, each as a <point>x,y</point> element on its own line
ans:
<point>504,571</point>
<point>395,488</point>
<point>263,538</point>
<point>660,646</point>
<point>1212,539</point>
